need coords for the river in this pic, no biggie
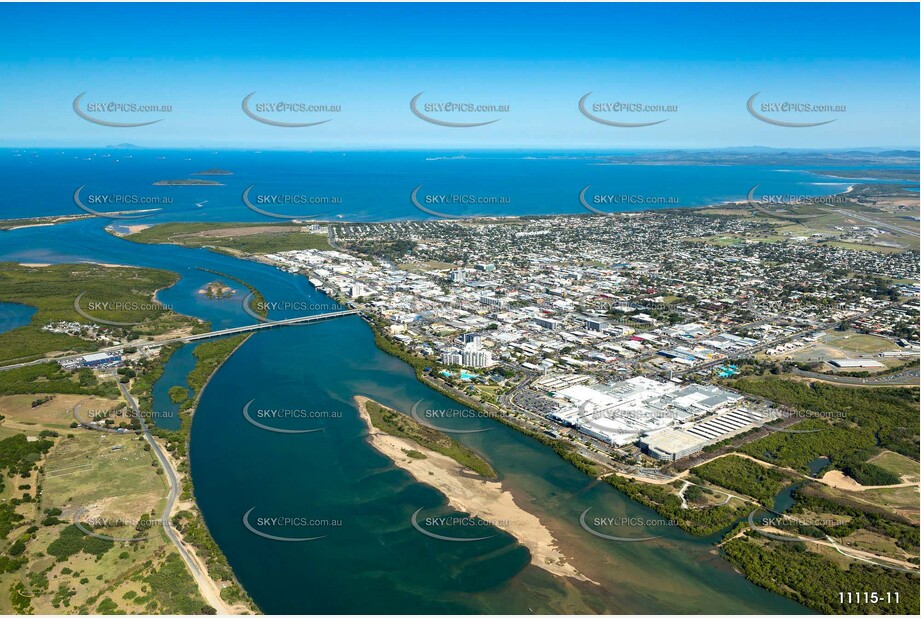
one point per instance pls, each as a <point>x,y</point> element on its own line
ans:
<point>331,483</point>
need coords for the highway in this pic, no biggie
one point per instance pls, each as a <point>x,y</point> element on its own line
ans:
<point>885,226</point>
<point>307,319</point>
<point>909,377</point>
<point>204,582</point>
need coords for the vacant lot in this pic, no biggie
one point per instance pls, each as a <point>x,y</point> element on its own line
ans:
<point>55,567</point>
<point>902,466</point>
<point>243,237</point>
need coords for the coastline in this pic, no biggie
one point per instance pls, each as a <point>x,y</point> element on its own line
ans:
<point>479,497</point>
<point>403,354</point>
<point>639,211</point>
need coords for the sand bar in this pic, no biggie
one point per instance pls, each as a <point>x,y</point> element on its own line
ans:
<point>474,495</point>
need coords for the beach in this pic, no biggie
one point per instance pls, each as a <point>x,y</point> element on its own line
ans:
<point>474,495</point>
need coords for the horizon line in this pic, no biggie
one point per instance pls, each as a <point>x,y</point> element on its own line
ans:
<point>129,146</point>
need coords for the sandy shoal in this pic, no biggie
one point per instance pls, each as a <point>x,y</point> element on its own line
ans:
<point>474,495</point>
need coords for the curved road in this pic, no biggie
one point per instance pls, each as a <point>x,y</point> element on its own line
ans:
<point>906,378</point>
<point>207,587</point>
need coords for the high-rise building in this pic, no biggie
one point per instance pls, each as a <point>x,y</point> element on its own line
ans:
<point>476,358</point>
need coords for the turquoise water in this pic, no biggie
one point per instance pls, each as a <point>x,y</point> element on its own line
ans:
<point>14,315</point>
<point>370,558</point>
<point>817,465</point>
<point>372,186</point>
<point>165,411</point>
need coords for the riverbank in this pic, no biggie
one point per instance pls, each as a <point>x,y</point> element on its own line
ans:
<point>211,570</point>
<point>479,497</point>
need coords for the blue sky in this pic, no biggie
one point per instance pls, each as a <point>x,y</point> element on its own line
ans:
<point>538,59</point>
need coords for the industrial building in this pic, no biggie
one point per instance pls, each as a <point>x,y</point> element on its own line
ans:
<point>650,411</point>
<point>671,444</point>
<point>857,363</point>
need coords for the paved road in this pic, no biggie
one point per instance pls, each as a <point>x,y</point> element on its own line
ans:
<point>205,584</point>
<point>879,224</point>
<point>209,335</point>
<point>906,378</point>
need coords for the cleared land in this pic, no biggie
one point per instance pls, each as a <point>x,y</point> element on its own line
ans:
<point>234,237</point>
<point>51,566</point>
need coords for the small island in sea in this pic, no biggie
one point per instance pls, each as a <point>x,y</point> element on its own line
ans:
<point>214,171</point>
<point>181,182</point>
<point>218,290</point>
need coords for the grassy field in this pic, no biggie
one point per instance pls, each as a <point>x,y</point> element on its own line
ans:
<point>55,414</point>
<point>899,465</point>
<point>856,343</point>
<point>49,566</point>
<point>249,238</point>
<point>399,425</point>
<point>900,500</point>
<point>50,378</point>
<point>100,467</point>
<point>112,294</point>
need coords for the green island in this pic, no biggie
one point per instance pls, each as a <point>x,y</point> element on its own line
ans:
<point>234,238</point>
<point>402,426</point>
<point>182,182</point>
<point>178,394</point>
<point>209,356</point>
<point>52,465</point>
<point>111,294</point>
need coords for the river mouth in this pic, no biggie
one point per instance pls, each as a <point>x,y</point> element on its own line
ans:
<point>335,476</point>
<point>368,558</point>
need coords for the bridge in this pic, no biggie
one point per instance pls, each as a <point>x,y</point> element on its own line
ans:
<point>261,326</point>
<point>209,335</point>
